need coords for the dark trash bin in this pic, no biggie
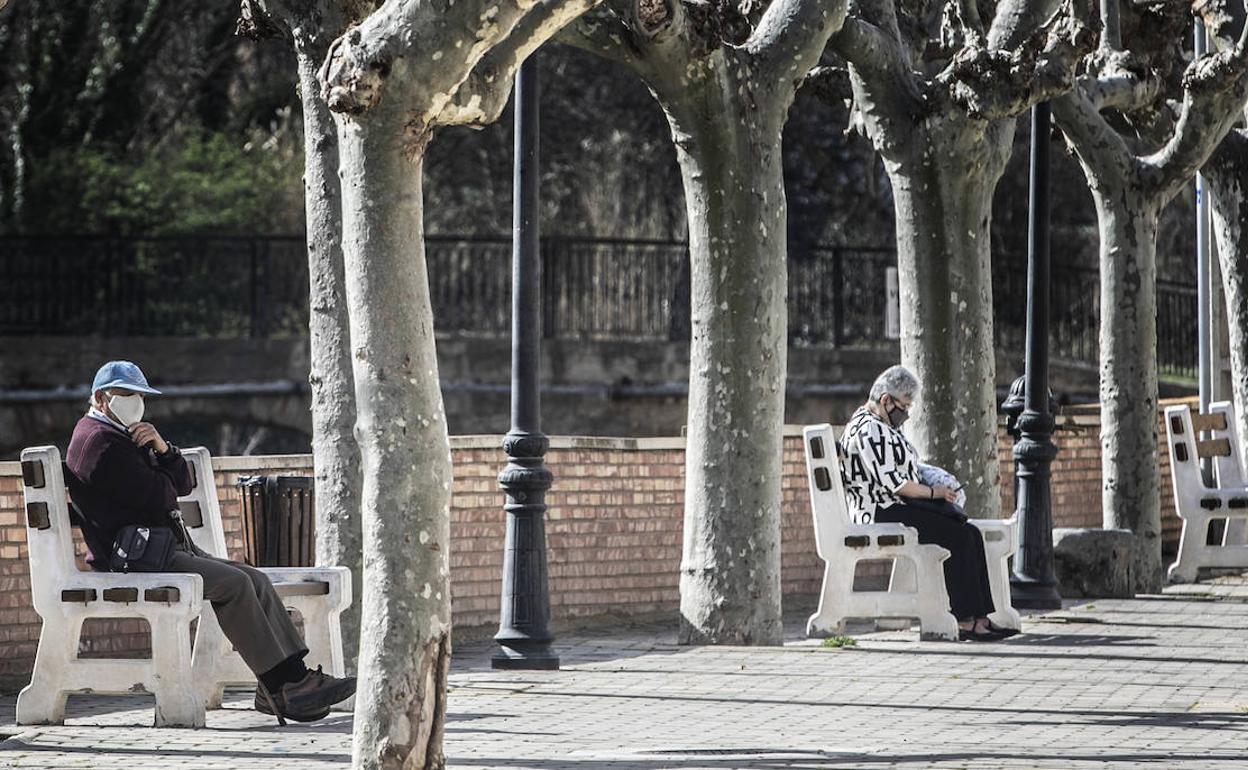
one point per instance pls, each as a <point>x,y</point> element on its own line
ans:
<point>278,524</point>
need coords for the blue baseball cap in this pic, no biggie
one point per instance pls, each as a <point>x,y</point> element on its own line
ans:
<point>121,374</point>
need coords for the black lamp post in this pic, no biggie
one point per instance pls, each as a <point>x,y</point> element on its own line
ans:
<point>523,636</point>
<point>1033,584</point>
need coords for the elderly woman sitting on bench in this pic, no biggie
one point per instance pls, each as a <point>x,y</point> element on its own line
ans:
<point>883,483</point>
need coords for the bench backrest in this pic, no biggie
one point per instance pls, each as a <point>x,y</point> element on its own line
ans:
<point>201,510</point>
<point>827,496</point>
<point>1187,449</point>
<point>49,541</point>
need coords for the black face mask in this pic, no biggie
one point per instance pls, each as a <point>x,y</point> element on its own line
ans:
<point>896,415</point>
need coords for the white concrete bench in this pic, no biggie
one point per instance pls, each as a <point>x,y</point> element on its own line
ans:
<point>916,588</point>
<point>319,594</point>
<point>65,596</point>
<point>1198,504</point>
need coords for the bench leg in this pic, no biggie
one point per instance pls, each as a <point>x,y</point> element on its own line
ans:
<point>323,635</point>
<point>210,646</point>
<point>935,620</point>
<point>42,702</point>
<point>1236,532</point>
<point>178,702</point>
<point>1005,616</point>
<point>903,578</point>
<point>838,577</point>
<point>1191,538</point>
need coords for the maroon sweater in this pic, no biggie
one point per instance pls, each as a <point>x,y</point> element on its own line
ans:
<point>114,482</point>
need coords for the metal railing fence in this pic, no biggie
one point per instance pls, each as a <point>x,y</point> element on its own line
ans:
<point>223,286</point>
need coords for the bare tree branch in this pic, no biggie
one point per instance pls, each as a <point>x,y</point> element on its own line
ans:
<point>968,17</point>
<point>1098,145</point>
<point>992,83</point>
<point>360,61</point>
<point>870,49</point>
<point>1215,88</point>
<point>791,36</point>
<point>480,99</point>
<point>1115,81</point>
<point>1111,26</point>
<point>604,33</point>
<point>1016,20</point>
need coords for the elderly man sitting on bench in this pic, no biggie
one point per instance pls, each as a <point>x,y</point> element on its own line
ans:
<point>121,472</point>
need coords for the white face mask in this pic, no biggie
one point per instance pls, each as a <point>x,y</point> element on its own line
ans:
<point>127,409</point>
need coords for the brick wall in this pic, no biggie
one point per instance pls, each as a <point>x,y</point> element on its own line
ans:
<point>613,530</point>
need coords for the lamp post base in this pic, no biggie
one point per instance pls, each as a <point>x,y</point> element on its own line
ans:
<point>525,656</point>
<point>1030,594</point>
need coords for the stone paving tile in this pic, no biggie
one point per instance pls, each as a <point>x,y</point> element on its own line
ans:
<point>1158,682</point>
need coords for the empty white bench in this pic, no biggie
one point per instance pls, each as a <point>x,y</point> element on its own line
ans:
<point>1196,503</point>
<point>319,594</point>
<point>65,596</point>
<point>916,588</point>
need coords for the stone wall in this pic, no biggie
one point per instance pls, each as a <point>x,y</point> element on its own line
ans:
<point>614,530</point>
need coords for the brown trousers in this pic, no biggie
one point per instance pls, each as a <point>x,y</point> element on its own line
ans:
<point>250,612</point>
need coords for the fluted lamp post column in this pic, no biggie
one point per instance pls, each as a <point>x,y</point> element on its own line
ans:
<point>523,635</point>
<point>1033,584</point>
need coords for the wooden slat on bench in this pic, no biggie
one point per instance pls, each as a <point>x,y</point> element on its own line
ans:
<point>163,594</point>
<point>1207,422</point>
<point>891,540</point>
<point>1218,447</point>
<point>857,541</point>
<point>121,595</point>
<point>32,474</point>
<point>37,516</point>
<point>192,516</point>
<point>302,588</point>
<point>78,595</point>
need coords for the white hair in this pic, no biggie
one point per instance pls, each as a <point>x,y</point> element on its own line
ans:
<point>896,381</point>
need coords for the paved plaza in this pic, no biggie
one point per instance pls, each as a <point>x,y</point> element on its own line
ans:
<point>1150,682</point>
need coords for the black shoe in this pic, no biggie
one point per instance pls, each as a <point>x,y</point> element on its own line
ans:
<point>1004,633</point>
<point>978,636</point>
<point>307,700</point>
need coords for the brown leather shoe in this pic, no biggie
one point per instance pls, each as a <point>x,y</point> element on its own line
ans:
<point>307,700</point>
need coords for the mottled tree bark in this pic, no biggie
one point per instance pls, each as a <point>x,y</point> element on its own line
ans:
<point>734,193</point>
<point>391,81</point>
<point>1131,189</point>
<point>401,427</point>
<point>1227,175</point>
<point>335,454</point>
<point>942,118</point>
<point>726,83</point>
<point>943,207</point>
<point>1130,493</point>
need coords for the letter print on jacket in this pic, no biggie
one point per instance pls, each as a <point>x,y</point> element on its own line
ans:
<point>875,459</point>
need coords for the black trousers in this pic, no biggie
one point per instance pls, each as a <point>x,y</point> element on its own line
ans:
<point>966,569</point>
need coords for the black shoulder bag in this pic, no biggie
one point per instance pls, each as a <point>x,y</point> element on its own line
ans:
<point>142,549</point>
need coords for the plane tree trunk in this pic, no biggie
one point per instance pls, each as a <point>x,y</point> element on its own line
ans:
<point>388,95</point>
<point>726,81</point>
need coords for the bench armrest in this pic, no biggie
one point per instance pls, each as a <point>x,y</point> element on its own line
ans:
<point>337,578</point>
<point>190,587</point>
<point>875,530</point>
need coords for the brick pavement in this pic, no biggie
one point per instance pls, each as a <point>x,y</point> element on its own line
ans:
<point>1150,682</point>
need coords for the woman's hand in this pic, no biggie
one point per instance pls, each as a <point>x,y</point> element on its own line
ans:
<point>944,493</point>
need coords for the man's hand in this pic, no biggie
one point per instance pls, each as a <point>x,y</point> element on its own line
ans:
<point>144,433</point>
<point>944,493</point>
